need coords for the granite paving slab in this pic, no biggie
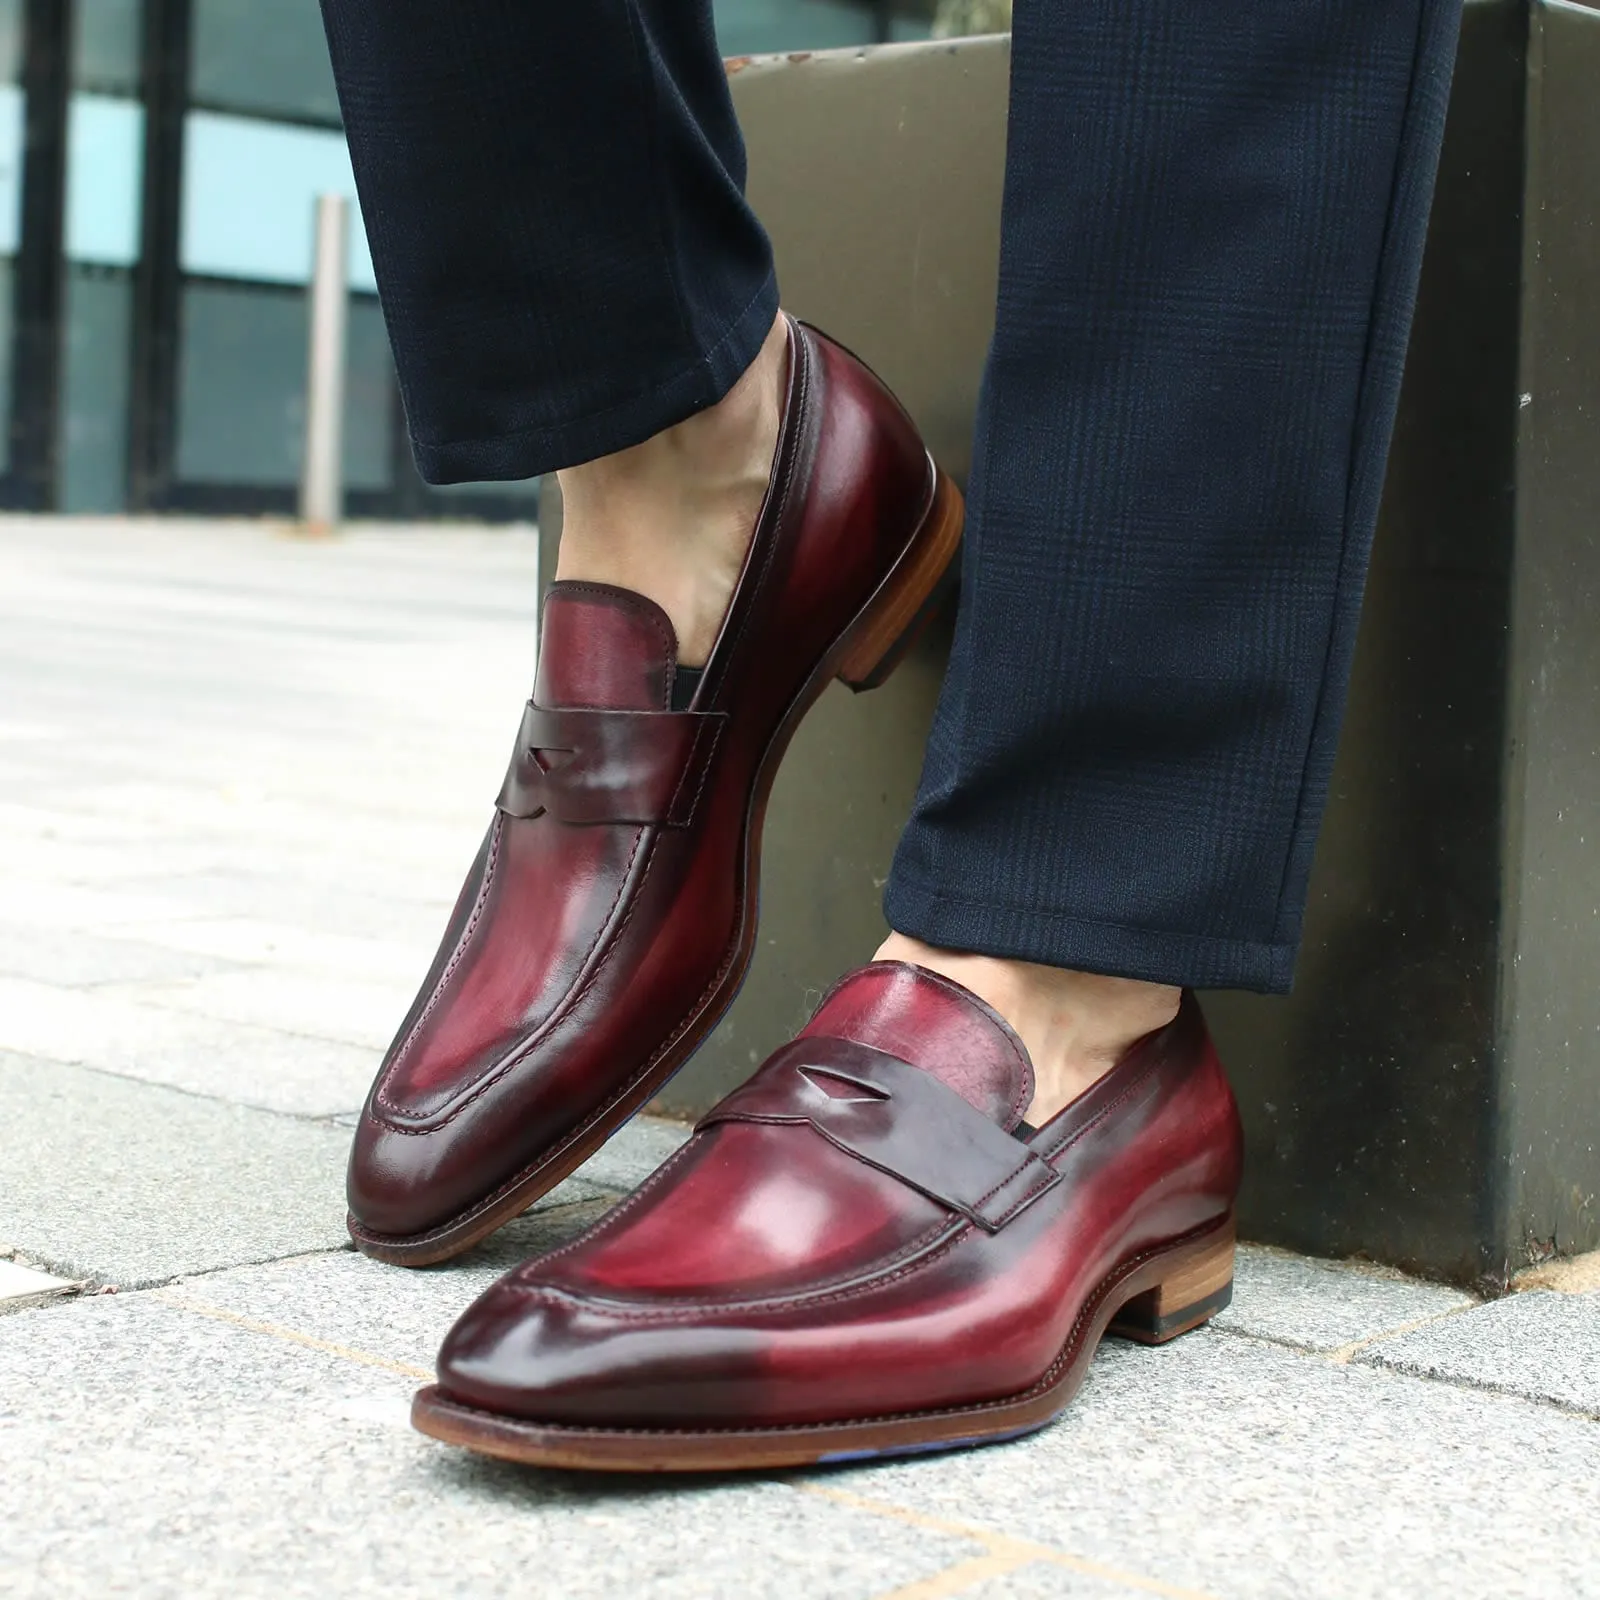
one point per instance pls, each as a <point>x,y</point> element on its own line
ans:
<point>236,1061</point>
<point>1540,1344</point>
<point>210,1458</point>
<point>363,1012</point>
<point>1238,1468</point>
<point>130,1183</point>
<point>399,1312</point>
<point>1327,1305</point>
<point>1043,1580</point>
<point>79,960</point>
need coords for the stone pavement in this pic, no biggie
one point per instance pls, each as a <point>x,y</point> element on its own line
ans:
<point>240,777</point>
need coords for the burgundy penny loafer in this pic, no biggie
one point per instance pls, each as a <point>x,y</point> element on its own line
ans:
<point>610,915</point>
<point>863,1252</point>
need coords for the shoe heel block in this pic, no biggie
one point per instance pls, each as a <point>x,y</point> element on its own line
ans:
<point>910,596</point>
<point>1198,1286</point>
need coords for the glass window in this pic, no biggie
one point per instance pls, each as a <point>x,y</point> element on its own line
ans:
<point>10,167</point>
<point>105,46</point>
<point>94,392</point>
<point>241,389</point>
<point>10,40</point>
<point>269,57</point>
<point>248,193</point>
<point>10,198</point>
<point>752,27</point>
<point>105,160</point>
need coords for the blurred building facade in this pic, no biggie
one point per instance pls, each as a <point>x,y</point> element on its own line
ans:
<point>158,162</point>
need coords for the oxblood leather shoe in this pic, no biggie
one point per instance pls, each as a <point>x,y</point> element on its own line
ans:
<point>610,915</point>
<point>859,1253</point>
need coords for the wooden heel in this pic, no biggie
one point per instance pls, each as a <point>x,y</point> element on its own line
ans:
<point>909,597</point>
<point>1192,1292</point>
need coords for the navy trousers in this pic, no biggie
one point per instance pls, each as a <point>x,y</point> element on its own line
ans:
<point>1213,226</point>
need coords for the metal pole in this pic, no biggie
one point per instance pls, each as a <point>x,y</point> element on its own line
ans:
<point>322,481</point>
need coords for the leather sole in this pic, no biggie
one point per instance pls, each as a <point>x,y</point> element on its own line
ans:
<point>1152,1297</point>
<point>863,656</point>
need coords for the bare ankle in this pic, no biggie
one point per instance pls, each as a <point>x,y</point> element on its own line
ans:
<point>672,518</point>
<point>1074,1025</point>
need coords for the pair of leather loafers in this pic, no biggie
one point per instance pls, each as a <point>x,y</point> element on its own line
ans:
<point>862,1251</point>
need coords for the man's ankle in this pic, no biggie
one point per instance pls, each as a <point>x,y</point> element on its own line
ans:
<point>672,518</point>
<point>1074,1025</point>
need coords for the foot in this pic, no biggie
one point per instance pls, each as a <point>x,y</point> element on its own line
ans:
<point>672,518</point>
<point>859,1254</point>
<point>610,914</point>
<point>1076,1026</point>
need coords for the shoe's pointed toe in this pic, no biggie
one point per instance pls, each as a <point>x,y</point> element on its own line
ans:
<point>395,1183</point>
<point>551,1356</point>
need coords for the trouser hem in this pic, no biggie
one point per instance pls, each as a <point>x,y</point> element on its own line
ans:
<point>1061,939</point>
<point>529,452</point>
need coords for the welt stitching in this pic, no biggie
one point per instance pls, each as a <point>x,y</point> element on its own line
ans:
<point>380,1098</point>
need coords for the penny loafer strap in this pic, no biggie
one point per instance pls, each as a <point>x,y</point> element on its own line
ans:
<point>899,1119</point>
<point>589,766</point>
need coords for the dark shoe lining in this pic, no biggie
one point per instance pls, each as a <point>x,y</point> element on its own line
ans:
<point>685,680</point>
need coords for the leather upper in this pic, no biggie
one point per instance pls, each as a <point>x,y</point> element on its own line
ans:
<point>612,896</point>
<point>861,1230</point>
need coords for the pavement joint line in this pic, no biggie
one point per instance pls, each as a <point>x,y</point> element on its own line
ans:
<point>93,1285</point>
<point>957,1579</point>
<point>324,1117</point>
<point>1000,1547</point>
<point>272,1330</point>
<point>1346,1353</point>
<point>149,1004</point>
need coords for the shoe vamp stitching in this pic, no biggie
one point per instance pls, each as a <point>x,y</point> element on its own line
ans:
<point>479,1084</point>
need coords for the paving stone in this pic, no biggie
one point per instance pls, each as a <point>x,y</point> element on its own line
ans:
<point>274,719</point>
<point>357,1011</point>
<point>292,898</point>
<point>1237,1468</point>
<point>1540,1344</point>
<point>250,940</point>
<point>132,1183</point>
<point>1041,1580</point>
<point>1326,1305</point>
<point>256,1066</point>
<point>77,959</point>
<point>22,1286</point>
<point>399,1312</point>
<point>210,1458</point>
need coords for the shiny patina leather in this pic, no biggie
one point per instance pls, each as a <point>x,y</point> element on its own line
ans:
<point>609,914</point>
<point>899,1119</point>
<point>610,766</point>
<point>800,1263</point>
